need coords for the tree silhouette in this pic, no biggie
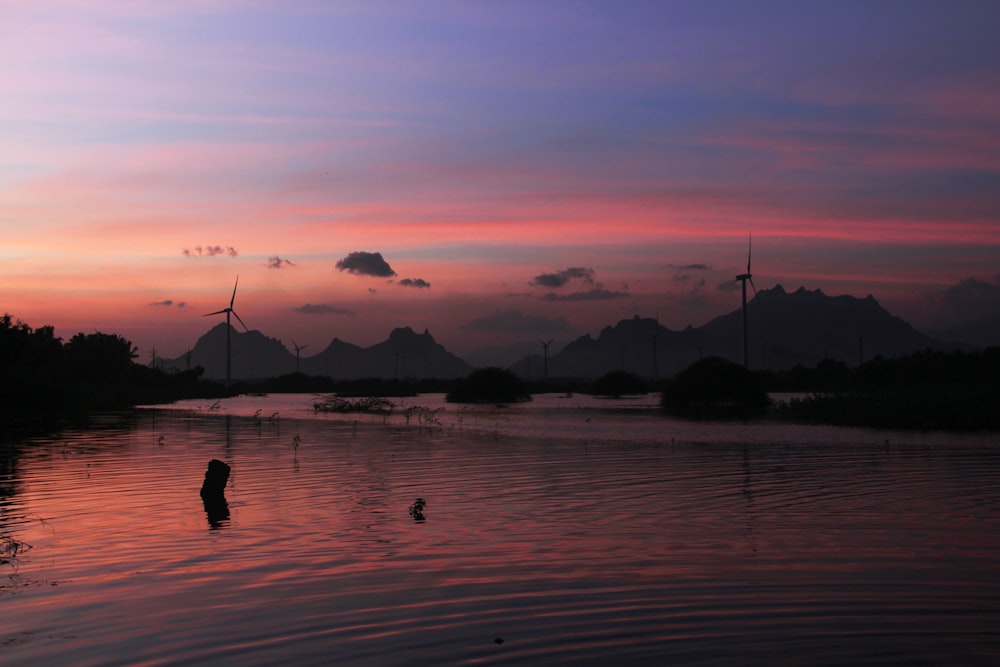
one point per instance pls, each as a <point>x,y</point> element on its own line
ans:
<point>100,356</point>
<point>21,346</point>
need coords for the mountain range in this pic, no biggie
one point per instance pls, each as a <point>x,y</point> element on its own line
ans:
<point>406,354</point>
<point>785,329</point>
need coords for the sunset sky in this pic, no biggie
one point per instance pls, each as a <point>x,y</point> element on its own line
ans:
<point>521,169</point>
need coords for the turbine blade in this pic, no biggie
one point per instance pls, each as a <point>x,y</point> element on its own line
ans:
<point>218,312</point>
<point>295,345</point>
<point>232,300</point>
<point>752,285</point>
<point>241,321</point>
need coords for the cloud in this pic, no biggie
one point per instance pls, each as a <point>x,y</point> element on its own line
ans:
<point>596,294</point>
<point>681,275</point>
<point>971,298</point>
<point>687,278</point>
<point>514,321</point>
<point>210,251</point>
<point>167,303</point>
<point>560,278</point>
<point>277,262</point>
<point>414,282</point>
<point>729,286</point>
<point>322,309</point>
<point>362,263</point>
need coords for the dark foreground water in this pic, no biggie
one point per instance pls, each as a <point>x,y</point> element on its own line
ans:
<point>566,532</point>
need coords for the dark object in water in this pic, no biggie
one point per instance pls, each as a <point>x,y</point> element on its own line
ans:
<point>417,509</point>
<point>216,509</point>
<point>371,404</point>
<point>216,477</point>
<point>213,493</point>
<point>498,640</point>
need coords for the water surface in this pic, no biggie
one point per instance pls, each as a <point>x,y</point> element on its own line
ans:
<point>573,530</point>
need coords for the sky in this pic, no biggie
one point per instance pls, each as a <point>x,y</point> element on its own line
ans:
<point>490,171</point>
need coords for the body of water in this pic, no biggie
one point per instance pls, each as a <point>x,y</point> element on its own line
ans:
<point>566,531</point>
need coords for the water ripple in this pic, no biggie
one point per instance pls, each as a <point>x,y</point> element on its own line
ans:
<point>655,548</point>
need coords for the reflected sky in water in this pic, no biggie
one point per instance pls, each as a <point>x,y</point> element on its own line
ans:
<point>575,534</point>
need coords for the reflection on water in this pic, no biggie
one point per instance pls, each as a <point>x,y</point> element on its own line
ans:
<point>573,534</point>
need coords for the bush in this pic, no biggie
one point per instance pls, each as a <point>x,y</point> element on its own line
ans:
<point>490,385</point>
<point>715,387</point>
<point>618,384</point>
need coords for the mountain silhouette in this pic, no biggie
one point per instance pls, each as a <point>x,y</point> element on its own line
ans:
<point>405,354</point>
<point>983,331</point>
<point>805,327</point>
<point>254,355</point>
<point>784,329</point>
<point>629,346</point>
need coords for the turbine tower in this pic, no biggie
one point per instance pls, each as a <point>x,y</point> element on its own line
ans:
<point>229,311</point>
<point>545,356</point>
<point>298,348</point>
<point>744,278</point>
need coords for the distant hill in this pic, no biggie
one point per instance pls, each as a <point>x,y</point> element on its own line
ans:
<point>805,327</point>
<point>405,354</point>
<point>640,345</point>
<point>254,355</point>
<point>984,331</point>
<point>785,329</point>
<point>505,356</point>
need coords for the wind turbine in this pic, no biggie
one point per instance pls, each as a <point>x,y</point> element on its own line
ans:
<point>545,357</point>
<point>229,311</point>
<point>656,369</point>
<point>743,278</point>
<point>298,348</point>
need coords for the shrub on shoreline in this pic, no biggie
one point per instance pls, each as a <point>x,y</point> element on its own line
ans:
<point>490,385</point>
<point>714,388</point>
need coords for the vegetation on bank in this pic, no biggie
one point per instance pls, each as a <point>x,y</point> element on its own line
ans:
<point>715,388</point>
<point>619,383</point>
<point>926,390</point>
<point>46,379</point>
<point>490,385</point>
